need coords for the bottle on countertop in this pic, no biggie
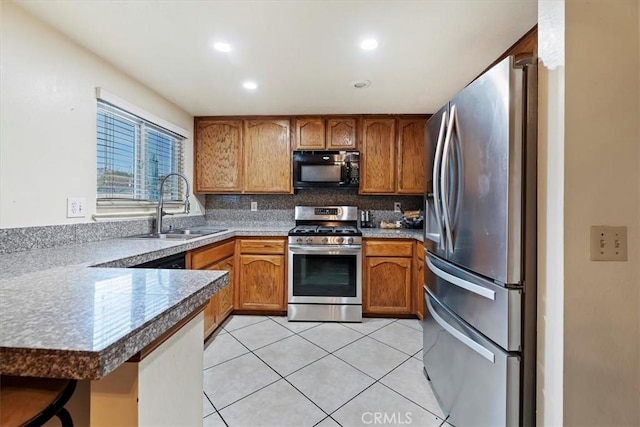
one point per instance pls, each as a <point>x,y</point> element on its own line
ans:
<point>365,219</point>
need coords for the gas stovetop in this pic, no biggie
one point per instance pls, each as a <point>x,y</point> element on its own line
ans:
<point>326,225</point>
<point>325,230</point>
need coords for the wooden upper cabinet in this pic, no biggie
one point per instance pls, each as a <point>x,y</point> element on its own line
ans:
<point>341,134</point>
<point>410,172</point>
<point>309,133</point>
<point>218,156</point>
<point>377,165</point>
<point>267,156</point>
<point>325,133</point>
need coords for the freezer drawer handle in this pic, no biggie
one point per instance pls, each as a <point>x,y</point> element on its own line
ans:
<point>461,337</point>
<point>471,287</point>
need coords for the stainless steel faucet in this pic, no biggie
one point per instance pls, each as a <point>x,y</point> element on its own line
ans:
<point>160,213</point>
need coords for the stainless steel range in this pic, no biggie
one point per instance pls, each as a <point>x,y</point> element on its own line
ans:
<point>325,265</point>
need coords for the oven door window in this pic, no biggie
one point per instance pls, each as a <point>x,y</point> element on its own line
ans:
<point>324,275</point>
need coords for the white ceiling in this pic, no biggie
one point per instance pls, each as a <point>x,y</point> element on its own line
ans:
<point>304,55</point>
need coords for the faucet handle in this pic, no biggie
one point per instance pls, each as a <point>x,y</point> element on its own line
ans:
<point>187,204</point>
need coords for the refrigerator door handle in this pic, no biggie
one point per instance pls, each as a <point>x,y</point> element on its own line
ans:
<point>458,172</point>
<point>444,182</point>
<point>437,200</point>
<point>461,283</point>
<point>460,336</point>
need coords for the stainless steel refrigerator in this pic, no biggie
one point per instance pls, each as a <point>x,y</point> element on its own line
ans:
<point>480,235</point>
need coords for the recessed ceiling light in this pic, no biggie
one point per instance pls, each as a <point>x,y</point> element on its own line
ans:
<point>222,47</point>
<point>369,44</point>
<point>361,84</point>
<point>249,85</point>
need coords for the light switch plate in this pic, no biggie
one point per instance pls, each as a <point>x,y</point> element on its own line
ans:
<point>608,243</point>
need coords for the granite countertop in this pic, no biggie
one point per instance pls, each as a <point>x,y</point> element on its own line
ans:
<point>61,318</point>
<point>82,323</point>
<point>393,233</point>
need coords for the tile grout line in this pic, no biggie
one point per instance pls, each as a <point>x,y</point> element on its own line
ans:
<point>287,381</point>
<point>328,415</point>
<point>281,377</point>
<point>270,367</point>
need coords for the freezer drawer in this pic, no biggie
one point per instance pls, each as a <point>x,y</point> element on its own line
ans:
<point>476,382</point>
<point>493,310</point>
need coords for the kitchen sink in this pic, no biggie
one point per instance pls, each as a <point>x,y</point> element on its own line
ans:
<point>181,234</point>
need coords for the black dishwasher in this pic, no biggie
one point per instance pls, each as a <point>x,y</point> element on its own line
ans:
<point>176,261</point>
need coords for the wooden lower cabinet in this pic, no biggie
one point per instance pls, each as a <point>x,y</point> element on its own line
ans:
<point>418,281</point>
<point>388,277</point>
<point>217,256</point>
<point>261,275</point>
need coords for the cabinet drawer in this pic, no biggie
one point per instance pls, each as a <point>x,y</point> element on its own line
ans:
<point>388,248</point>
<point>201,258</point>
<point>262,246</point>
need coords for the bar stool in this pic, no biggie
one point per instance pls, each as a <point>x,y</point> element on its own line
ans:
<point>31,402</point>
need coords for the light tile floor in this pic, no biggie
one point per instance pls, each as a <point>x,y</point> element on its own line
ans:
<point>266,371</point>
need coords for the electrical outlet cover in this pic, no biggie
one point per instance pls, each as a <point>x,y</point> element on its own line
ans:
<point>397,207</point>
<point>254,206</point>
<point>76,207</point>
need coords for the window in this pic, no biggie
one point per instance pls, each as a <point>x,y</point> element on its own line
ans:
<point>133,156</point>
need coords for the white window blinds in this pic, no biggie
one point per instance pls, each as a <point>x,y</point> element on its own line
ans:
<point>133,156</point>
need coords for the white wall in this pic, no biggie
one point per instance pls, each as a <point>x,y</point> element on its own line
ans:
<point>47,120</point>
<point>598,140</point>
<point>551,191</point>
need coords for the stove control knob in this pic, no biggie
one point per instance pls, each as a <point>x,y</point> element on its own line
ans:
<point>309,239</point>
<point>349,240</point>
<point>299,240</point>
<point>325,240</point>
<point>339,240</point>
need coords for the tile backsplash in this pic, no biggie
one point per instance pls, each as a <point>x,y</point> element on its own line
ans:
<point>279,207</point>
<point>218,209</point>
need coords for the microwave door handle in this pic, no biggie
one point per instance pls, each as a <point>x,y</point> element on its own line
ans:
<point>436,175</point>
<point>444,181</point>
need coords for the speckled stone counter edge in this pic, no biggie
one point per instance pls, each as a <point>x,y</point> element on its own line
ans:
<point>82,365</point>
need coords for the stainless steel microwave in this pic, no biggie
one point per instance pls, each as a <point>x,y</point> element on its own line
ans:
<point>329,169</point>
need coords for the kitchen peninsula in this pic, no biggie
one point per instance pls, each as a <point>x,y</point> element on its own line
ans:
<point>131,337</point>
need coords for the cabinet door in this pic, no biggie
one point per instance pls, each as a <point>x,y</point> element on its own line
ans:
<point>267,161</point>
<point>218,154</point>
<point>387,285</point>
<point>309,133</point>
<point>225,299</point>
<point>418,281</point>
<point>410,173</point>
<point>378,156</point>
<point>261,282</point>
<point>211,316</point>
<point>218,304</point>
<point>341,134</point>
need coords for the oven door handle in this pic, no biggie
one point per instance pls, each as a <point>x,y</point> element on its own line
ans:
<point>328,250</point>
